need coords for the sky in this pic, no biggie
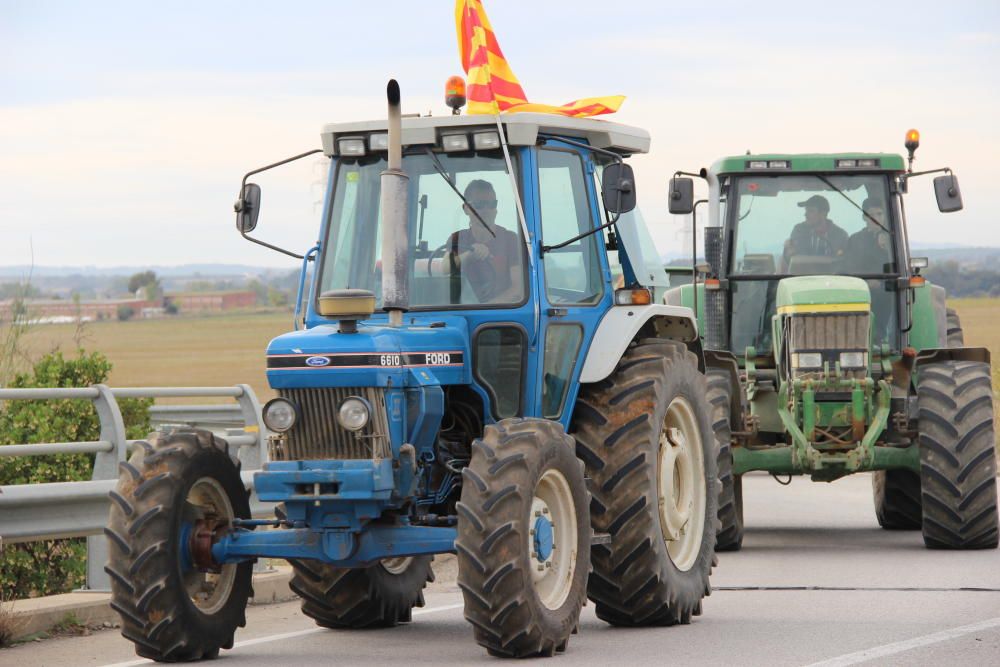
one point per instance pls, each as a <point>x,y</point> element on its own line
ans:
<point>125,127</point>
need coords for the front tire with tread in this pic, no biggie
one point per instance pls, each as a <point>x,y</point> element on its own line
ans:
<point>149,505</point>
<point>730,537</point>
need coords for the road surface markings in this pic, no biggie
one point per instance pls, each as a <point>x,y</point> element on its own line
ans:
<point>906,645</point>
<point>287,635</point>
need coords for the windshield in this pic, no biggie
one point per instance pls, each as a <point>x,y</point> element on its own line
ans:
<point>458,255</point>
<point>807,224</point>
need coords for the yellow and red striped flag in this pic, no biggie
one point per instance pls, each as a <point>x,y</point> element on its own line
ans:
<point>492,86</point>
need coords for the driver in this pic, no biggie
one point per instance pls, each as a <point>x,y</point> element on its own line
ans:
<point>817,235</point>
<point>487,254</point>
<point>868,249</point>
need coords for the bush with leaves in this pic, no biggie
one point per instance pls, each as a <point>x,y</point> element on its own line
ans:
<point>43,568</point>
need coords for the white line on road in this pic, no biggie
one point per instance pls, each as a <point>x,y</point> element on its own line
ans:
<point>906,645</point>
<point>287,635</point>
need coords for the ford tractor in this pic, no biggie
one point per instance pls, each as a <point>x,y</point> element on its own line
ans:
<point>829,353</point>
<point>464,378</point>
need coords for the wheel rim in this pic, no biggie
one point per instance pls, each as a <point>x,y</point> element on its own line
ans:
<point>681,484</point>
<point>396,566</point>
<point>208,591</point>
<point>552,539</point>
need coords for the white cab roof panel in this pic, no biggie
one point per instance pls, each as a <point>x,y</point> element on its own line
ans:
<point>522,130</point>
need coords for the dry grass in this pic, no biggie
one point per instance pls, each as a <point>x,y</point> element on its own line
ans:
<point>980,318</point>
<point>10,625</point>
<point>175,352</point>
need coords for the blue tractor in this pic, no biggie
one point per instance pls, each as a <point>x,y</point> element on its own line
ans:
<point>481,367</point>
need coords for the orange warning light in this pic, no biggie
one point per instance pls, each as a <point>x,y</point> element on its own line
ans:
<point>454,93</point>
<point>912,140</point>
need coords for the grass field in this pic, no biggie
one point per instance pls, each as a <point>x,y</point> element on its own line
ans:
<point>228,350</point>
<point>175,352</point>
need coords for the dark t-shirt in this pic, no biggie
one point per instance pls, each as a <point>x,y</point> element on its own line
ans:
<point>865,255</point>
<point>491,276</point>
<point>827,240</point>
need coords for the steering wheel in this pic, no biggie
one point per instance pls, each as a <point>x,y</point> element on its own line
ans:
<point>442,249</point>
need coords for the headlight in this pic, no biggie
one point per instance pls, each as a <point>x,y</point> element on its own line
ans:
<point>280,414</point>
<point>807,360</point>
<point>354,413</point>
<point>852,360</point>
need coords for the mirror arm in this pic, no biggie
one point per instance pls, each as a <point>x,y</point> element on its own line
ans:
<point>946,170</point>
<point>593,149</point>
<point>243,185</point>
<point>546,248</point>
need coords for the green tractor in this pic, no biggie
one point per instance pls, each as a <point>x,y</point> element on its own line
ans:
<point>829,353</point>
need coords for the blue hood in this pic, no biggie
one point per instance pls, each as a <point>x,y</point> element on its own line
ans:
<point>427,351</point>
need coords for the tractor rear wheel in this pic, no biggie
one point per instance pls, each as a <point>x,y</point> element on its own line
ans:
<point>730,534</point>
<point>897,499</point>
<point>645,435</point>
<point>956,336</point>
<point>958,465</point>
<point>382,595</point>
<point>523,538</point>
<point>179,484</point>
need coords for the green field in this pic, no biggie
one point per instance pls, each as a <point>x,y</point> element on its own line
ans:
<point>228,350</point>
<point>175,352</point>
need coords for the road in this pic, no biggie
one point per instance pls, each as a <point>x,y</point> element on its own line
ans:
<point>817,582</point>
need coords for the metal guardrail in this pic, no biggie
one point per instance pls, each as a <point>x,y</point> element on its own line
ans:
<point>30,512</point>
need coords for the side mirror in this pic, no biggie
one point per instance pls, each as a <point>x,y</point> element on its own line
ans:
<point>247,208</point>
<point>681,195</point>
<point>618,188</point>
<point>949,197</point>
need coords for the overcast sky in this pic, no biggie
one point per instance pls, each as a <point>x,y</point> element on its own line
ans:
<point>125,127</point>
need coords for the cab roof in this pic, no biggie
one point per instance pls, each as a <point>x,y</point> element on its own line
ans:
<point>522,129</point>
<point>806,162</point>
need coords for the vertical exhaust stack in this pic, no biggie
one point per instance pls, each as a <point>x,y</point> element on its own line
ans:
<point>395,236</point>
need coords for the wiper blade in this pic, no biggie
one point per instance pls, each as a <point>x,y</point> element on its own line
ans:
<point>439,168</point>
<point>853,203</point>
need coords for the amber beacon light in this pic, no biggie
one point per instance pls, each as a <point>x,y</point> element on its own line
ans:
<point>454,93</point>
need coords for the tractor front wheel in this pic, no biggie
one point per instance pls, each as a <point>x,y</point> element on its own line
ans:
<point>178,488</point>
<point>958,464</point>
<point>730,537</point>
<point>523,538</point>
<point>897,499</point>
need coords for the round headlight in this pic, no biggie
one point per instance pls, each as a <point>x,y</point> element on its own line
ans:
<point>354,413</point>
<point>280,414</point>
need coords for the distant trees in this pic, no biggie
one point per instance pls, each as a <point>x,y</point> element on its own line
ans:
<point>961,280</point>
<point>147,282</point>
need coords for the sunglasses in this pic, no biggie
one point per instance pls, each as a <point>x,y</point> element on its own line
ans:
<point>479,204</point>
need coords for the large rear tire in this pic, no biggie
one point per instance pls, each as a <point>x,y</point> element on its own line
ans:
<point>645,435</point>
<point>956,336</point>
<point>958,465</point>
<point>897,499</point>
<point>382,595</point>
<point>523,538</point>
<point>171,610</point>
<point>730,534</point>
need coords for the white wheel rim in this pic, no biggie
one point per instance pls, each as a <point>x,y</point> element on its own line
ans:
<point>398,565</point>
<point>552,570</point>
<point>209,591</point>
<point>681,484</point>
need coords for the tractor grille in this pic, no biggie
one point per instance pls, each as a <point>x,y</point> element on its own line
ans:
<point>843,331</point>
<point>318,434</point>
<point>830,334</point>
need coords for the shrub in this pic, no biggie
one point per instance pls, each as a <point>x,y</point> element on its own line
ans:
<point>125,313</point>
<point>42,568</point>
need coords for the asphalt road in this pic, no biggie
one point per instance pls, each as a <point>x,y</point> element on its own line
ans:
<point>817,582</point>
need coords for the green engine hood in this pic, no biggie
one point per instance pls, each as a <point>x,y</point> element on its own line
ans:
<point>800,293</point>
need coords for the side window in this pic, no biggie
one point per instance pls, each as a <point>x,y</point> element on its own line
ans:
<point>562,346</point>
<point>572,273</point>
<point>499,367</point>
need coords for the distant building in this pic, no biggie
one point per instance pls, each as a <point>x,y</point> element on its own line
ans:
<point>63,310</point>
<point>197,302</point>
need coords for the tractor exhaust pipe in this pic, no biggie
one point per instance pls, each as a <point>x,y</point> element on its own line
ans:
<point>395,238</point>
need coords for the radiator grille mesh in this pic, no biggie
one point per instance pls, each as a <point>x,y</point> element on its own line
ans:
<point>318,435</point>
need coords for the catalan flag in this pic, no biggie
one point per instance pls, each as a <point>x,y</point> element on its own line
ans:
<point>492,86</point>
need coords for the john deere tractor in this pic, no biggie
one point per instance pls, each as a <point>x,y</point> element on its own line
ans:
<point>464,378</point>
<point>829,353</point>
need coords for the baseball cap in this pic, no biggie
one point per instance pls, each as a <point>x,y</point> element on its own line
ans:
<point>817,201</point>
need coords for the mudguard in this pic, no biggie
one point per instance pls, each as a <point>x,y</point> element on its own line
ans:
<point>621,325</point>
